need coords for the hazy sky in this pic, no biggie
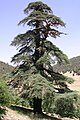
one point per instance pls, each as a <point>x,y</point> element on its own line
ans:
<point>11,12</point>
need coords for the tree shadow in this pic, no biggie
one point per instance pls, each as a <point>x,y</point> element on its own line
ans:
<point>30,113</point>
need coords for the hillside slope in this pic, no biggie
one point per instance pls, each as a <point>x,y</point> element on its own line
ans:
<point>74,65</point>
<point>71,70</point>
<point>5,68</point>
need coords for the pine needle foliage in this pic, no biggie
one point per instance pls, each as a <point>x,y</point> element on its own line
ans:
<point>36,53</point>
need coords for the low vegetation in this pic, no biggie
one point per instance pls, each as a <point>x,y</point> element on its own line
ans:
<point>68,105</point>
<point>6,97</point>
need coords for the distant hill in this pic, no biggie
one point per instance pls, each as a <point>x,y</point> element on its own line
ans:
<point>74,65</point>
<point>5,68</point>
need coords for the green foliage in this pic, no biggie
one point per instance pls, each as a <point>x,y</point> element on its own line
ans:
<point>68,105</point>
<point>5,95</point>
<point>36,54</point>
<point>21,102</point>
<point>5,69</point>
<point>64,107</point>
<point>2,111</point>
<point>37,86</point>
<point>38,5</point>
<point>48,102</point>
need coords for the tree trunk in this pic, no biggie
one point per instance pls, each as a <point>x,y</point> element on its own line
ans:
<point>37,105</point>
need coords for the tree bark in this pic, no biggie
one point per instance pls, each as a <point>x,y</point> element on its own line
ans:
<point>37,102</point>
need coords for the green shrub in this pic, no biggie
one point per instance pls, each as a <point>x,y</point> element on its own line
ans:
<point>5,94</point>
<point>65,107</point>
<point>68,105</point>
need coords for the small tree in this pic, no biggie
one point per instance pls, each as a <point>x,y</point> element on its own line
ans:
<point>37,54</point>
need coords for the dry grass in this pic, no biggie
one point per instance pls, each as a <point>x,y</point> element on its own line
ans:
<point>76,84</point>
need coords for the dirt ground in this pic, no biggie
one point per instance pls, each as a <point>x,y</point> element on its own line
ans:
<point>76,84</point>
<point>13,115</point>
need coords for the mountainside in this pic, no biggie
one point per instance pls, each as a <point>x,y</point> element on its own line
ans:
<point>73,65</point>
<point>5,68</point>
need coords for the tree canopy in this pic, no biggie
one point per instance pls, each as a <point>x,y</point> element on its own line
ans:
<point>37,54</point>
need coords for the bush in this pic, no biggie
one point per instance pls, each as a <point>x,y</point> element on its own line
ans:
<point>5,95</point>
<point>68,105</point>
<point>65,107</point>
